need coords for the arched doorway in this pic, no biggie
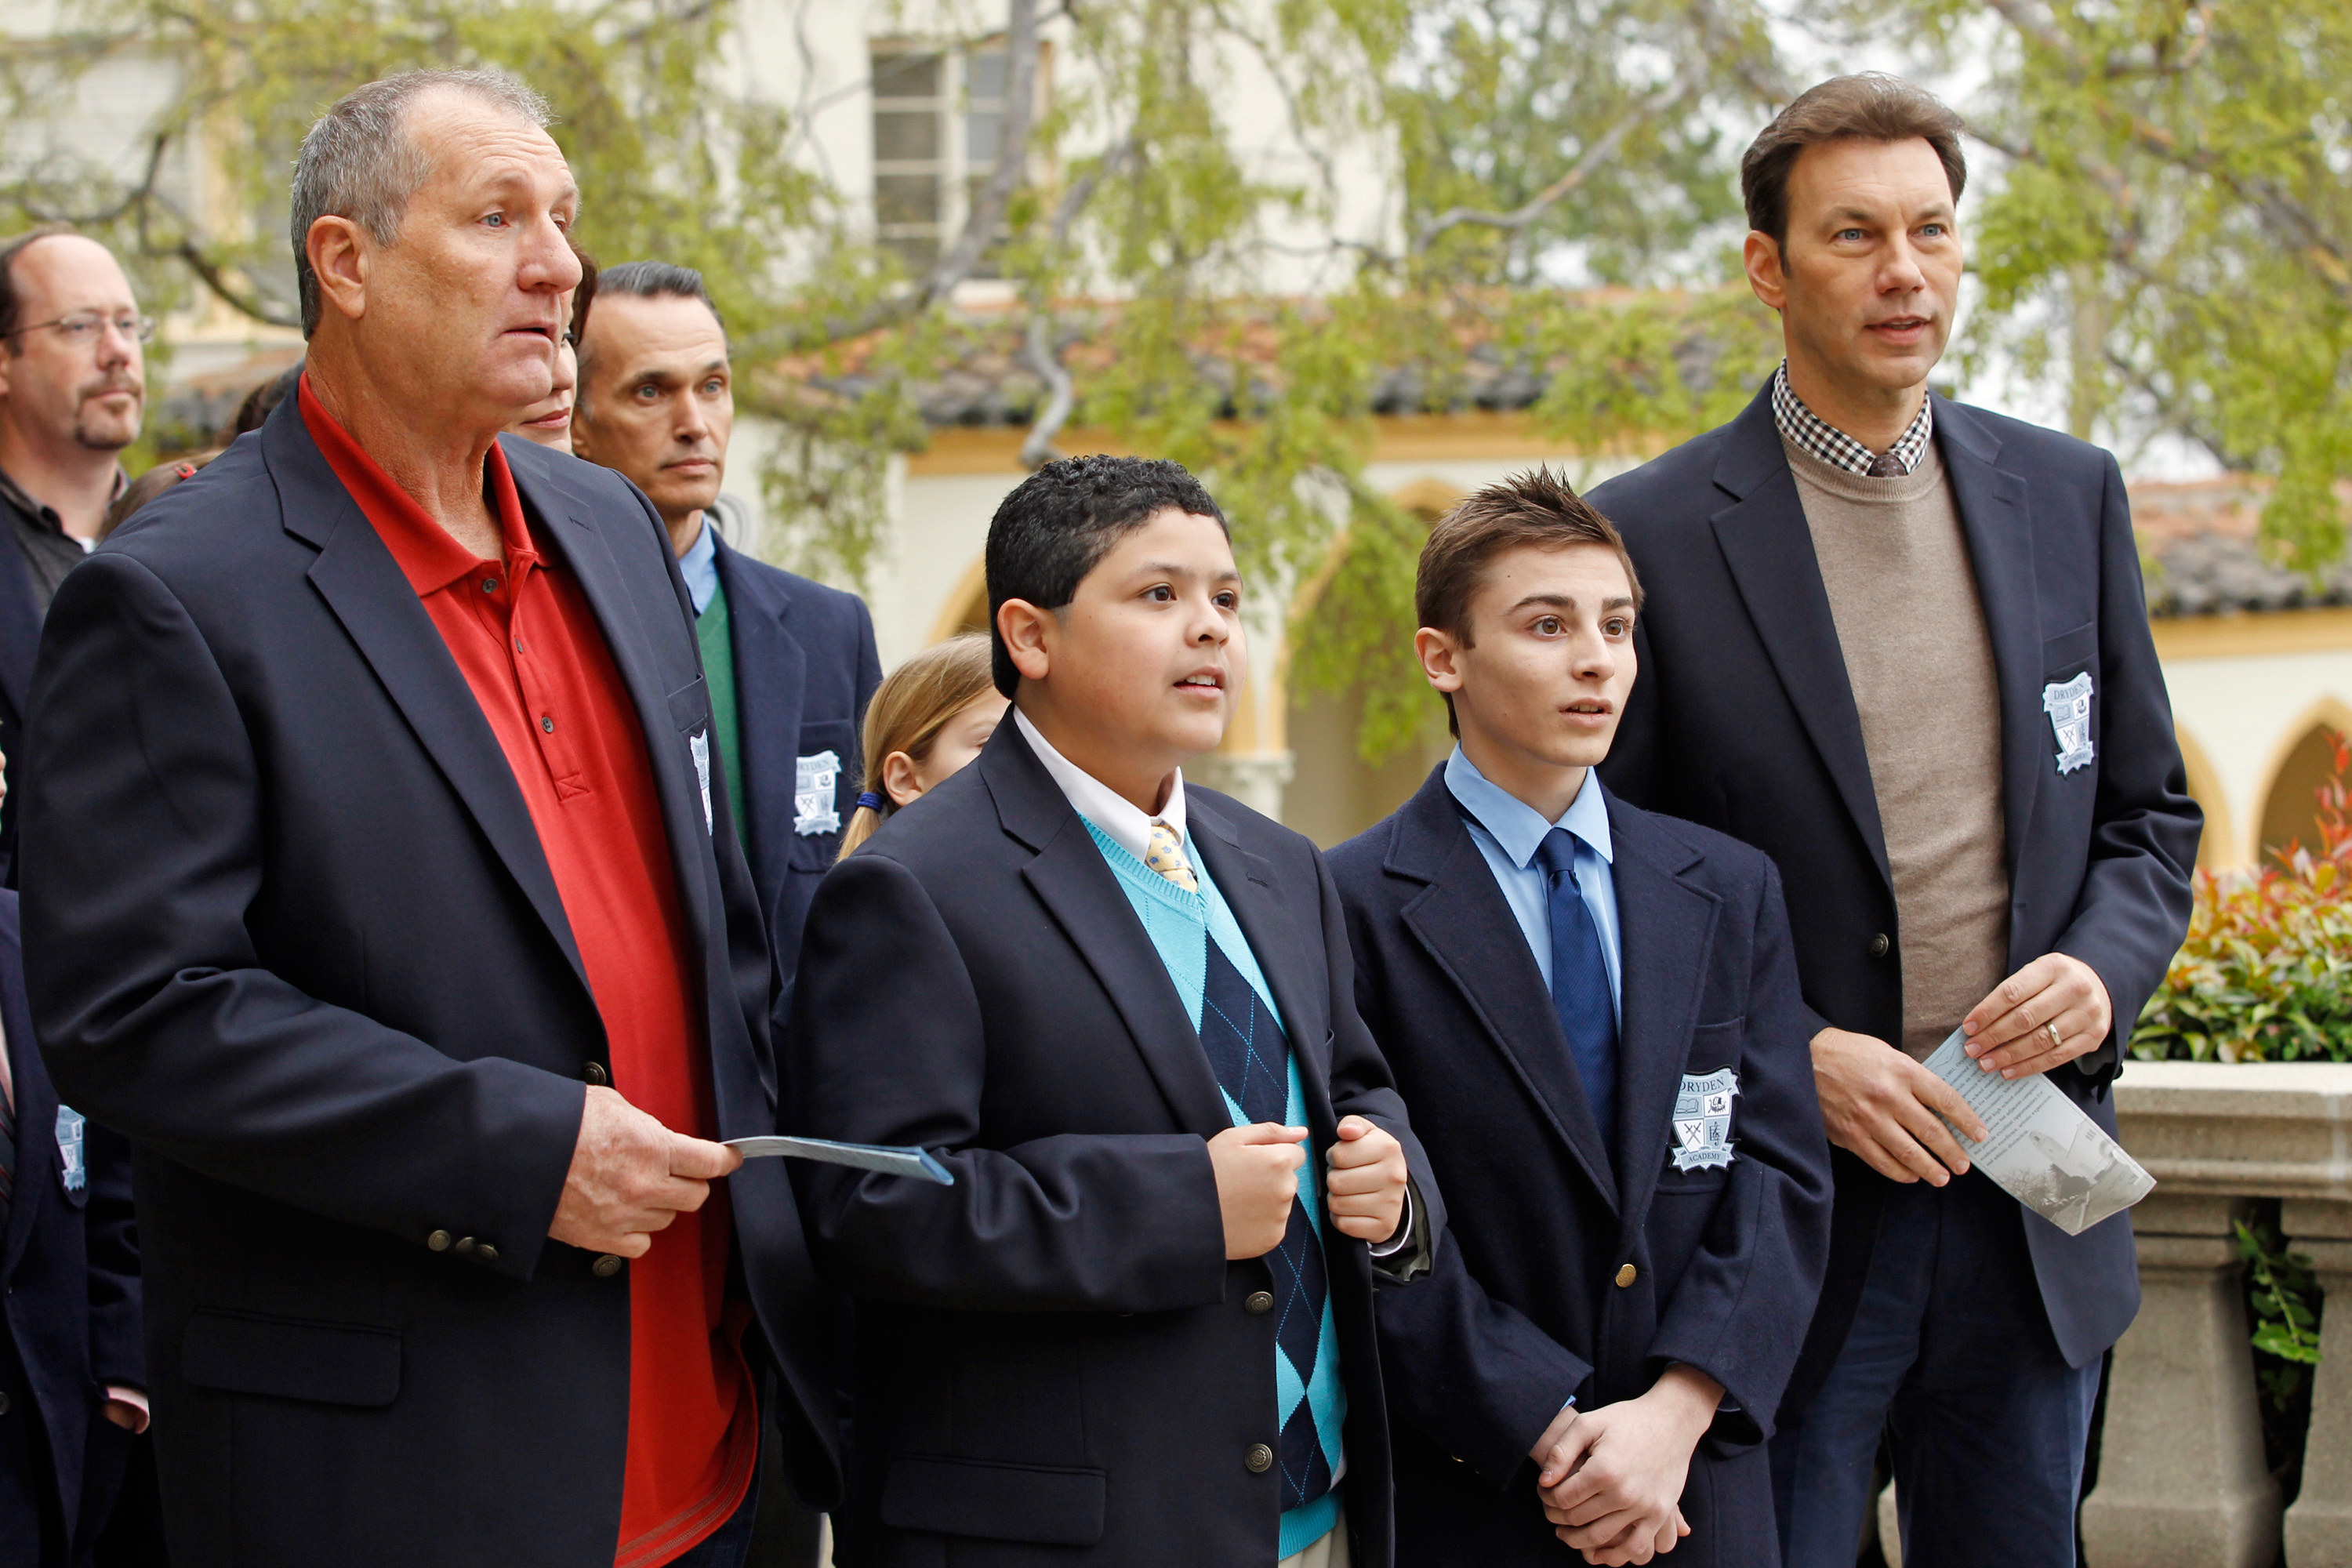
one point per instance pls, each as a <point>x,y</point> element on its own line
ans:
<point>2291,806</point>
<point>2217,849</point>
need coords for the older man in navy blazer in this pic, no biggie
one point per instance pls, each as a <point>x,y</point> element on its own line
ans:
<point>1901,646</point>
<point>1593,1013</point>
<point>379,886</point>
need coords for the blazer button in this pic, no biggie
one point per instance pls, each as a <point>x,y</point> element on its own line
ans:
<point>464,1245</point>
<point>606,1267</point>
<point>486,1253</point>
<point>1625,1276</point>
<point>1260,1459</point>
<point>594,1073</point>
<point>438,1241</point>
<point>1258,1301</point>
<point>1879,944</point>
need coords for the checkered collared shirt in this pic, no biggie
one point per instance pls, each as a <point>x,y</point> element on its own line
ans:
<point>1816,436</point>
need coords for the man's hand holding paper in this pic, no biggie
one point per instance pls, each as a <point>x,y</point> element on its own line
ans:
<point>632,1176</point>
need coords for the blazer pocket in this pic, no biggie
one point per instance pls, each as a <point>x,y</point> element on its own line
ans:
<point>291,1358</point>
<point>1039,1503</point>
<point>2062,654</point>
<point>690,707</point>
<point>818,814</point>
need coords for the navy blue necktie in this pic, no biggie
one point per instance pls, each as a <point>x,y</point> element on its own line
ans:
<point>1580,982</point>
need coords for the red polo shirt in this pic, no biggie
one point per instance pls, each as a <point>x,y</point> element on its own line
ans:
<point>528,643</point>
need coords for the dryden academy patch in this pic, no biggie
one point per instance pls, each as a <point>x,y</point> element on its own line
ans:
<point>1703,1119</point>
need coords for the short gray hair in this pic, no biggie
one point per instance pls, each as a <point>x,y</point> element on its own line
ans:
<point>359,163</point>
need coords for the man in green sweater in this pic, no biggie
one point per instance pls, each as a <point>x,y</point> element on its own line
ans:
<point>790,663</point>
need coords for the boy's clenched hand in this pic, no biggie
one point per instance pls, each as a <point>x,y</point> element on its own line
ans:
<point>1366,1184</point>
<point>1257,1181</point>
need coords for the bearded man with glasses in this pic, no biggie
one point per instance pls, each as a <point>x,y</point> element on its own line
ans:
<point>73,385</point>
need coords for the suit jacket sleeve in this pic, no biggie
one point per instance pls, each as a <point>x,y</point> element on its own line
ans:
<point>118,1352</point>
<point>144,840</point>
<point>1472,1373</point>
<point>2138,886</point>
<point>1740,1312</point>
<point>887,1046</point>
<point>1361,1083</point>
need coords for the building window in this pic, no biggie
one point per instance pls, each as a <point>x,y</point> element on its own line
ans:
<point>939,122</point>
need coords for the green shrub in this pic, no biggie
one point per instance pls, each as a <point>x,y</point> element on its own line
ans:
<point>2266,973</point>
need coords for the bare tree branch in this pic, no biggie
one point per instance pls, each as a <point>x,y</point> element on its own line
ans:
<point>1600,153</point>
<point>1037,347</point>
<point>1012,153</point>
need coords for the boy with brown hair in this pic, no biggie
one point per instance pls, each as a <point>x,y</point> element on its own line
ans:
<point>1594,1014</point>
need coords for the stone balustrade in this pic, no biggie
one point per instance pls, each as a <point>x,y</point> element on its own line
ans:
<point>2182,1480</point>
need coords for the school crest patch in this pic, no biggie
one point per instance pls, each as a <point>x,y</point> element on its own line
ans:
<point>1703,1119</point>
<point>2069,707</point>
<point>812,793</point>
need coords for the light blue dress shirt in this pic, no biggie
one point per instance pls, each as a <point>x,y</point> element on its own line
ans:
<point>1507,832</point>
<point>701,566</point>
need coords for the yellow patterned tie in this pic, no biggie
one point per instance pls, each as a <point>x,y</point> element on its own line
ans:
<point>1165,855</point>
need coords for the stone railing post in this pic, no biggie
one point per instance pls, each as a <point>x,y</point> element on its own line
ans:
<point>2319,1525</point>
<point>2182,1478</point>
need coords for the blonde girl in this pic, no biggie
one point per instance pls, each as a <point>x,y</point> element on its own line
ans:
<point>929,718</point>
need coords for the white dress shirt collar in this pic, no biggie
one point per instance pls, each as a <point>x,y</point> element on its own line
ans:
<point>1127,825</point>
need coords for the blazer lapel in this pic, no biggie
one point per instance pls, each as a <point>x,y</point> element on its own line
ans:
<point>1666,926</point>
<point>20,629</point>
<point>1770,548</point>
<point>1301,987</point>
<point>770,680</point>
<point>1079,890</point>
<point>362,583</point>
<point>1996,515</point>
<point>620,615</point>
<point>1461,919</point>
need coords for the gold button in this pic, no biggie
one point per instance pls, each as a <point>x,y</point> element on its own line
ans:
<point>1625,1277</point>
<point>438,1241</point>
<point>1260,1459</point>
<point>606,1267</point>
<point>486,1253</point>
<point>464,1245</point>
<point>594,1073</point>
<point>1258,1301</point>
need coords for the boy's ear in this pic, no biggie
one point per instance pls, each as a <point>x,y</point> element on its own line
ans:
<point>1439,657</point>
<point>1027,632</point>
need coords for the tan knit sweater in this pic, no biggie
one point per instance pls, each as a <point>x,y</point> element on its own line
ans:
<point>1916,653</point>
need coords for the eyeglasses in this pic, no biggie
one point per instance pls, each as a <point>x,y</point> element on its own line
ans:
<point>84,327</point>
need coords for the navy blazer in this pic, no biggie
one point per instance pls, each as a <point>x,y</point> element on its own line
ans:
<point>1564,1272</point>
<point>805,668</point>
<point>1743,719</point>
<point>291,931</point>
<point>1055,1361</point>
<point>70,1265</point>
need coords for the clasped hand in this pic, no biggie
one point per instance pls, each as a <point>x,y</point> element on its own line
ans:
<point>1613,1478</point>
<point>1258,1167</point>
<point>632,1176</point>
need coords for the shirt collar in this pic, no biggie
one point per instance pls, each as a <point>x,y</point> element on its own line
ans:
<point>1517,825</point>
<point>46,515</point>
<point>701,566</point>
<point>1126,824</point>
<point>427,554</point>
<point>1809,433</point>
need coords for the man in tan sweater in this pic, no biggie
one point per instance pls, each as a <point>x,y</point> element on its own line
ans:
<point>1875,619</point>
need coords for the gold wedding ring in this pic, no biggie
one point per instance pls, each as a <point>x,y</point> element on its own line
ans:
<point>2051,1029</point>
